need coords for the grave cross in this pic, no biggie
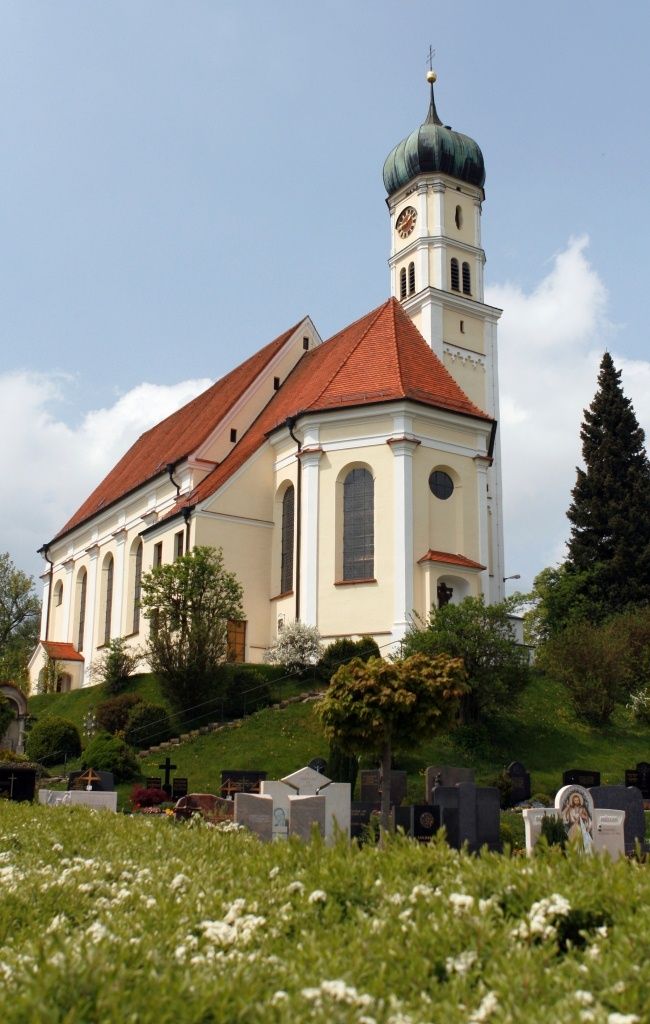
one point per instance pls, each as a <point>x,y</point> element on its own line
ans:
<point>167,768</point>
<point>229,788</point>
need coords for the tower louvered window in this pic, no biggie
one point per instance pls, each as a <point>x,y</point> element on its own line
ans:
<point>402,283</point>
<point>411,278</point>
<point>286,556</point>
<point>455,277</point>
<point>358,526</point>
<point>467,279</point>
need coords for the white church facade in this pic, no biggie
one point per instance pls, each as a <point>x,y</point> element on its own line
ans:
<point>351,483</point>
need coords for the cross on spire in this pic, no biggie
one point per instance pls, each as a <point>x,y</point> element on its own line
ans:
<point>432,54</point>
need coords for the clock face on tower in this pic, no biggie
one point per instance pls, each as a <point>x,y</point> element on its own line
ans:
<point>406,221</point>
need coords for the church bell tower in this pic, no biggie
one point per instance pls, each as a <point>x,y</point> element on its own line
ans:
<point>434,181</point>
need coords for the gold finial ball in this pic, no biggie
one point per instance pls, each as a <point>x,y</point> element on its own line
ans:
<point>431,76</point>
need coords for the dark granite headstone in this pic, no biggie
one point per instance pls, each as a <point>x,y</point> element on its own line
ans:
<point>179,788</point>
<point>100,782</point>
<point>403,819</point>
<point>233,781</point>
<point>447,799</point>
<point>370,791</point>
<point>519,783</point>
<point>488,818</point>
<point>360,815</point>
<point>640,777</point>
<point>628,799</point>
<point>426,822</point>
<point>17,783</point>
<point>467,814</point>
<point>153,782</point>
<point>445,775</point>
<point>581,777</point>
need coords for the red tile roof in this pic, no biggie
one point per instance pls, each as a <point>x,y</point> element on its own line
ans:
<point>446,558</point>
<point>380,358</point>
<point>61,652</point>
<point>177,436</point>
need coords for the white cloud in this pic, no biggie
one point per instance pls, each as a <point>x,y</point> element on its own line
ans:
<point>49,466</point>
<point>551,341</point>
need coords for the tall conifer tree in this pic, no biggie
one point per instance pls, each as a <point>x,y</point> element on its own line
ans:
<point>609,548</point>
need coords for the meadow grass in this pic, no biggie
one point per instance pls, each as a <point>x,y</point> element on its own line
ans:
<point>113,919</point>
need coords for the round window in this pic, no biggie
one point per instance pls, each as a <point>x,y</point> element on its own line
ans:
<point>441,484</point>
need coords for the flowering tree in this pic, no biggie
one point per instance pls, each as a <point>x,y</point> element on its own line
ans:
<point>376,705</point>
<point>297,648</point>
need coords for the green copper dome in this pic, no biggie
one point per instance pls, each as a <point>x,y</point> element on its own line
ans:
<point>434,148</point>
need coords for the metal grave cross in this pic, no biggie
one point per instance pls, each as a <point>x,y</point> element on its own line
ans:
<point>167,768</point>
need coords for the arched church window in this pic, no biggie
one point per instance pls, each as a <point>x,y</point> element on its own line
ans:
<point>137,588</point>
<point>286,552</point>
<point>411,278</point>
<point>358,525</point>
<point>402,283</point>
<point>455,279</point>
<point>107,587</point>
<point>58,593</point>
<point>458,217</point>
<point>467,279</point>
<point>82,580</point>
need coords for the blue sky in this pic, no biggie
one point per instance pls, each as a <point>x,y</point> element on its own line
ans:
<point>182,181</point>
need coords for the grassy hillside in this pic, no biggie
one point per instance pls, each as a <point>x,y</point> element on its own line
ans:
<point>542,731</point>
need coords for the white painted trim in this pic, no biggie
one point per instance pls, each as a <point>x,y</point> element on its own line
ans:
<point>309,467</point>
<point>240,520</point>
<point>482,513</point>
<point>402,533</point>
<point>466,354</point>
<point>454,300</point>
<point>89,618</point>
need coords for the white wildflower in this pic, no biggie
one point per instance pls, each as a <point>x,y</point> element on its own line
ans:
<point>97,932</point>
<point>462,963</point>
<point>488,1005</point>
<point>180,953</point>
<point>295,887</point>
<point>56,923</point>
<point>274,872</point>
<point>582,997</point>
<point>587,1016</point>
<point>179,882</point>
<point>623,1018</point>
<point>419,892</point>
<point>57,848</point>
<point>460,901</point>
<point>318,896</point>
<point>279,997</point>
<point>396,898</point>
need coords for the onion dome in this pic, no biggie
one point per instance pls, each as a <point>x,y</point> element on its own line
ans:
<point>434,148</point>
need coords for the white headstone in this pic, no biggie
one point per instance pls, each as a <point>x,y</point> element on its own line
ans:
<point>280,794</point>
<point>533,818</point>
<point>98,800</point>
<point>306,782</point>
<point>609,832</point>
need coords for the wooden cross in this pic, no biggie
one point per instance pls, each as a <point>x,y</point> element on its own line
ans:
<point>229,787</point>
<point>88,778</point>
<point>167,768</point>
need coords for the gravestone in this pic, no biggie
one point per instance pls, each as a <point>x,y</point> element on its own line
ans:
<point>153,782</point>
<point>581,777</point>
<point>630,800</point>
<point>445,775</point>
<point>371,787</point>
<point>319,764</point>
<point>305,812</point>
<point>402,818</point>
<point>488,825</point>
<point>17,783</point>
<point>308,782</point>
<point>360,815</point>
<point>640,777</point>
<point>96,799</point>
<point>533,818</point>
<point>256,813</point>
<point>179,787</point>
<point>575,808</point>
<point>519,783</point>
<point>425,822</point>
<point>233,782</point>
<point>467,814</point>
<point>209,806</point>
<point>99,781</point>
<point>609,832</point>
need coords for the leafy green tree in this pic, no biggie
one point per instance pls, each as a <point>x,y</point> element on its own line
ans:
<point>482,635</point>
<point>116,665</point>
<point>188,604</point>
<point>609,547</point>
<point>372,707</point>
<point>20,611</point>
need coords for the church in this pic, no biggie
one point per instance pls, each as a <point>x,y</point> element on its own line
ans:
<point>352,483</point>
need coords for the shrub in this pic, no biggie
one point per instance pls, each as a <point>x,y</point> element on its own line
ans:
<point>6,715</point>
<point>116,665</point>
<point>553,831</point>
<point>246,690</point>
<point>298,648</point>
<point>589,659</point>
<point>112,714</point>
<point>142,797</point>
<point>147,724</point>
<point>639,705</point>
<point>53,739</point>
<point>344,650</point>
<point>111,754</point>
<point>497,667</point>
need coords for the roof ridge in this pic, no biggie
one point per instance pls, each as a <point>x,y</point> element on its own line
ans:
<point>393,311</point>
<point>354,348</point>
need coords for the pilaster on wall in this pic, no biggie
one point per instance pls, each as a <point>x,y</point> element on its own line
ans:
<point>118,583</point>
<point>46,602</point>
<point>402,448</point>
<point>482,463</point>
<point>309,463</point>
<point>91,605</point>
<point>68,595</point>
